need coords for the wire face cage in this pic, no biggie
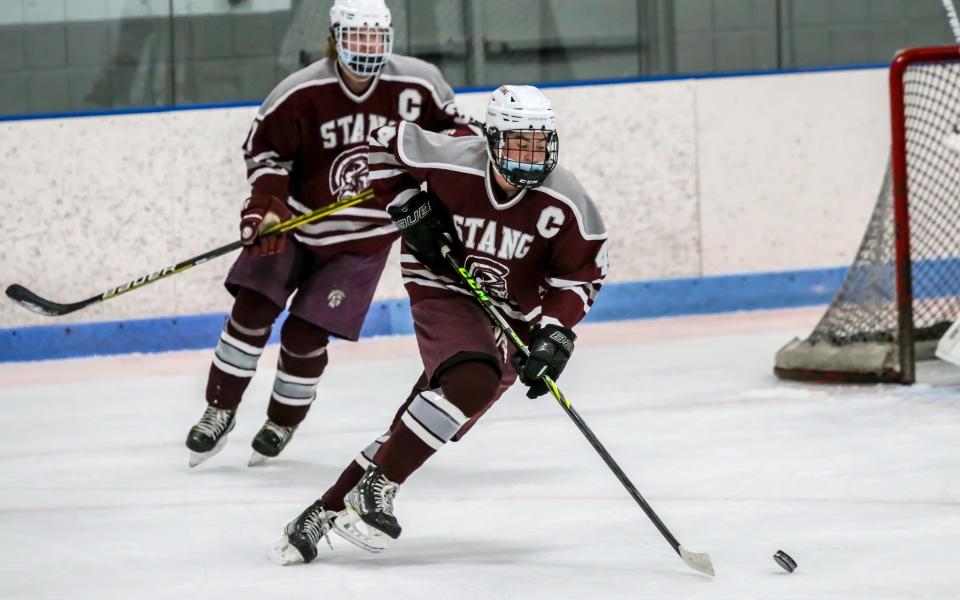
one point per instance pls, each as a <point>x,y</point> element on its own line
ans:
<point>902,291</point>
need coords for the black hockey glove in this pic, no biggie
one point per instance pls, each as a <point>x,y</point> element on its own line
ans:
<point>425,226</point>
<point>550,349</point>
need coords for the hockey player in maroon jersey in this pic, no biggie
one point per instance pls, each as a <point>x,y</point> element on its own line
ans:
<point>525,229</point>
<point>307,148</point>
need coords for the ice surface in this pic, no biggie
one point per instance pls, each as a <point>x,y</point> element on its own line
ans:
<point>859,484</point>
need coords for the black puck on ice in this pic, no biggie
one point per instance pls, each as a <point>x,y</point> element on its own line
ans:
<point>785,561</point>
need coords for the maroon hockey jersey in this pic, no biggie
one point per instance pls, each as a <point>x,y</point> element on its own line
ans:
<point>308,145</point>
<point>541,256</point>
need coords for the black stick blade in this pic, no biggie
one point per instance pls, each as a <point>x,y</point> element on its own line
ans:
<point>35,303</point>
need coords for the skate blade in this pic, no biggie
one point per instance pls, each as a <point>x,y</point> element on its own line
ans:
<point>198,457</point>
<point>284,553</point>
<point>257,459</point>
<point>350,527</point>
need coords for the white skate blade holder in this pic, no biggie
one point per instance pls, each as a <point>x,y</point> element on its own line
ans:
<point>256,459</point>
<point>198,457</point>
<point>284,553</point>
<point>698,561</point>
<point>351,527</point>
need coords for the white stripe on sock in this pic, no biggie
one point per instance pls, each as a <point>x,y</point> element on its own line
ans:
<point>292,401</point>
<point>446,406</point>
<point>362,461</point>
<point>427,437</point>
<point>232,370</point>
<point>240,345</point>
<point>288,378</point>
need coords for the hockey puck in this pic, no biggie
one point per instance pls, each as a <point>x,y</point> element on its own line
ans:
<point>785,561</point>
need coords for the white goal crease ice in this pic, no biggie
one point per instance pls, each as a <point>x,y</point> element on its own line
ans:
<point>902,291</point>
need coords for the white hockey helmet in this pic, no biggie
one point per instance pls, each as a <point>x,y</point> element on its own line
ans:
<point>523,160</point>
<point>363,33</point>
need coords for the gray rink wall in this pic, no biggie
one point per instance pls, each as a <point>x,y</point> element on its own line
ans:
<point>695,178</point>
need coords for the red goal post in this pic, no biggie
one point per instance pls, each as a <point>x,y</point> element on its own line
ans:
<point>903,289</point>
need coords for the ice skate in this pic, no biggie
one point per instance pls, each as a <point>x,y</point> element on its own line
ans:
<point>368,520</point>
<point>209,435</point>
<point>269,442</point>
<point>301,536</point>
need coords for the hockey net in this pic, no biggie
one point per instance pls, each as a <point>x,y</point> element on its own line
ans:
<point>902,291</point>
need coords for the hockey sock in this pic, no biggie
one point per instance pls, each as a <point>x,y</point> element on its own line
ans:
<point>434,416</point>
<point>333,497</point>
<point>303,357</point>
<point>241,343</point>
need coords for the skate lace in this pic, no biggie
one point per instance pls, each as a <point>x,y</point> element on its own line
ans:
<point>213,421</point>
<point>314,526</point>
<point>282,432</point>
<point>384,493</point>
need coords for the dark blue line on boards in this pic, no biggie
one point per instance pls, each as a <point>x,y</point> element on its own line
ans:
<point>617,301</point>
<point>463,90</point>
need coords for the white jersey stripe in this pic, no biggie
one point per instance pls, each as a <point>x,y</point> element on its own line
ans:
<point>257,174</point>
<point>263,156</point>
<point>382,158</point>
<point>362,212</point>
<point>351,211</point>
<point>425,274</point>
<point>550,321</point>
<point>434,284</point>
<point>297,206</point>
<point>276,103</point>
<point>384,174</point>
<point>533,314</point>
<point>336,239</point>
<point>506,310</point>
<point>579,292</point>
<point>565,283</point>
<point>338,225</point>
<point>403,196</point>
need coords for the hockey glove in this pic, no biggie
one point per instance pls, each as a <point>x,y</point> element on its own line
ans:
<point>425,226</point>
<point>550,349</point>
<point>261,211</point>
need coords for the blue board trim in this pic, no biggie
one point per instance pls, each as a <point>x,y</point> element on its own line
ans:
<point>617,301</point>
<point>463,90</point>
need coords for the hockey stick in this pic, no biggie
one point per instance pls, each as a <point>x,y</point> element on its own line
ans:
<point>695,560</point>
<point>42,306</point>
